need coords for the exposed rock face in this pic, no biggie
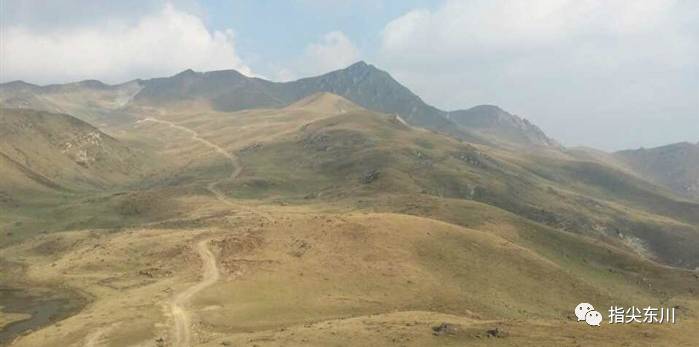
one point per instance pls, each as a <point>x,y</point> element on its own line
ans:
<point>84,148</point>
<point>445,329</point>
<point>369,176</point>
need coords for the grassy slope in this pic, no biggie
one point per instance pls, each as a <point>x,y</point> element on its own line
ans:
<point>329,158</point>
<point>373,263</point>
<point>45,190</point>
<point>303,272</point>
<point>59,151</point>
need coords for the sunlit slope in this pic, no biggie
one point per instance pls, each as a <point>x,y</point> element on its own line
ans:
<point>350,225</point>
<point>359,154</point>
<point>291,276</point>
<point>57,151</point>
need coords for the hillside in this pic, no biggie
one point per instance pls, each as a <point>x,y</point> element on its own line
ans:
<point>42,150</point>
<point>321,278</point>
<point>326,103</point>
<point>324,149</point>
<point>674,166</point>
<point>322,222</point>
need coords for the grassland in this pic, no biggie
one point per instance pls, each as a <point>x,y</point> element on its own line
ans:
<point>348,227</point>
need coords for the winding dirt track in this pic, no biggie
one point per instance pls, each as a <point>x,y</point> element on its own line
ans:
<point>183,325</point>
<point>182,330</point>
<point>195,136</point>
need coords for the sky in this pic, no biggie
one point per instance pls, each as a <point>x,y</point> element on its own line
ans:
<point>606,74</point>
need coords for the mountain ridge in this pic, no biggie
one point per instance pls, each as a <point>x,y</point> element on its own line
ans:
<point>230,91</point>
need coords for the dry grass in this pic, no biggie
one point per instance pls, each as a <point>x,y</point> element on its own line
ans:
<point>370,264</point>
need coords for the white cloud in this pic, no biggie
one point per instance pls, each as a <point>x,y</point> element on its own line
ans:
<point>161,43</point>
<point>603,62</point>
<point>458,27</point>
<point>334,51</point>
<point>283,74</point>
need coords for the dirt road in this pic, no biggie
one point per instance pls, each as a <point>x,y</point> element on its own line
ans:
<point>182,329</point>
<point>182,332</point>
<point>235,163</point>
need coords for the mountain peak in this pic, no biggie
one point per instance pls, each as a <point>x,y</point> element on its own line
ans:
<point>95,84</point>
<point>359,64</point>
<point>186,73</point>
<point>18,84</point>
<point>376,90</point>
<point>360,67</point>
<point>487,107</point>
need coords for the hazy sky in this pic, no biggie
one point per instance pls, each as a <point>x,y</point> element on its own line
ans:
<point>608,74</point>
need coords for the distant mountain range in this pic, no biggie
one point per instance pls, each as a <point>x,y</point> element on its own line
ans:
<point>229,90</point>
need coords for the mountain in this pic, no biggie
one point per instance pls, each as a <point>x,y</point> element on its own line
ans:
<point>674,166</point>
<point>225,90</point>
<point>229,91</point>
<point>49,151</point>
<point>90,100</point>
<point>499,125</point>
<point>376,90</point>
<point>362,83</point>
